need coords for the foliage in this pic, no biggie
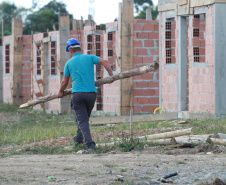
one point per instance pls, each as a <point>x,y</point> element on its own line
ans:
<point>47,16</point>
<point>142,3</point>
<point>7,11</point>
<point>142,14</point>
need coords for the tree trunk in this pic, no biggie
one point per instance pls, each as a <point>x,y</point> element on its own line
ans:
<point>126,74</point>
<point>165,135</point>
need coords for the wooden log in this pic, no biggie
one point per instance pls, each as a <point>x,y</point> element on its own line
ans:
<point>126,74</point>
<point>167,134</point>
<point>217,141</point>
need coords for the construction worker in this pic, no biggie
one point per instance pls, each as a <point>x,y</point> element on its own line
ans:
<point>81,68</point>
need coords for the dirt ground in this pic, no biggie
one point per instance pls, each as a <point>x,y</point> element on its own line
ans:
<point>195,165</point>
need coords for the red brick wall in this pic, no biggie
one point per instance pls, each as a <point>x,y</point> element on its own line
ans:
<point>146,50</point>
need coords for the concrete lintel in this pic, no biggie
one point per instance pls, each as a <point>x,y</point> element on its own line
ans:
<point>201,10</point>
<point>170,14</point>
<point>46,39</point>
<point>200,65</point>
<point>112,29</point>
<point>92,32</point>
<point>171,66</point>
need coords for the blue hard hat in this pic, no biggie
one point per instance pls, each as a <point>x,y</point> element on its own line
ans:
<point>71,42</point>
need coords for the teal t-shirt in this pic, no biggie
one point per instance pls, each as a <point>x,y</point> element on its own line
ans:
<point>81,68</point>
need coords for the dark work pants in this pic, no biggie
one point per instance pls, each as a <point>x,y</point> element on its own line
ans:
<point>82,104</point>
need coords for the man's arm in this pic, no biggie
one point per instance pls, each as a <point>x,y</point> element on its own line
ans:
<point>106,66</point>
<point>63,86</point>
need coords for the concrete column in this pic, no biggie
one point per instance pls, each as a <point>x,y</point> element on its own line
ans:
<point>160,59</point>
<point>148,14</point>
<point>182,64</point>
<point>1,73</point>
<point>64,35</point>
<point>126,89</point>
<point>16,48</point>
<point>44,71</point>
<point>220,58</point>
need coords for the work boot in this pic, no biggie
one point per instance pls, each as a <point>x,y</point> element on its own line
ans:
<point>91,147</point>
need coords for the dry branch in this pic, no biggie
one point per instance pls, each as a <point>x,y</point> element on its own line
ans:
<point>126,74</point>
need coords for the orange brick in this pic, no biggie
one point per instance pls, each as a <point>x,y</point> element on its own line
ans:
<point>137,43</point>
<point>149,92</point>
<point>149,43</point>
<point>138,27</point>
<point>149,27</point>
<point>143,101</point>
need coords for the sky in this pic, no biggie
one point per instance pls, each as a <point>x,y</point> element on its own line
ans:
<point>105,10</point>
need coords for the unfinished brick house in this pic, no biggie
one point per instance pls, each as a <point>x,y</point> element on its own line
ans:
<point>192,57</point>
<point>33,65</point>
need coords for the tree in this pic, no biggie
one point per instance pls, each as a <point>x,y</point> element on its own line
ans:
<point>7,11</point>
<point>140,5</point>
<point>45,18</point>
<point>154,11</point>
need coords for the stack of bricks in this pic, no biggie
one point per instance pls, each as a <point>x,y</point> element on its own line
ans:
<point>146,51</point>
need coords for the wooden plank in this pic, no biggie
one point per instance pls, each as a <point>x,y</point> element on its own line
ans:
<point>127,55</point>
<point>16,48</point>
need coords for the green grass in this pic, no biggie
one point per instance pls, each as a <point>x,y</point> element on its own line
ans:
<point>22,126</point>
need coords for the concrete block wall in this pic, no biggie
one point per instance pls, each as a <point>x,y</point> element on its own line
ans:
<point>53,79</point>
<point>169,73</point>
<point>7,77</point>
<point>201,74</point>
<point>111,98</point>
<point>37,78</point>
<point>200,62</point>
<point>146,51</point>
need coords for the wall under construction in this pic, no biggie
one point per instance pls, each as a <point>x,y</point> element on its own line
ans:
<point>43,58</point>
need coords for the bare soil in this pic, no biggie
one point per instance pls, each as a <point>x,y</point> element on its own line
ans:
<point>194,166</point>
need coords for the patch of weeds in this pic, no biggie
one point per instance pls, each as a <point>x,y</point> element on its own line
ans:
<point>109,165</point>
<point>123,170</point>
<point>145,178</point>
<point>93,175</point>
<point>68,169</point>
<point>127,144</point>
<point>32,180</point>
<point>181,162</point>
<point>16,178</point>
<point>42,150</point>
<point>196,180</point>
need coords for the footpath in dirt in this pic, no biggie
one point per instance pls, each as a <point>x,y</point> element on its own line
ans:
<point>203,164</point>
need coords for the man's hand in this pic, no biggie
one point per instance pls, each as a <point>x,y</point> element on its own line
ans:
<point>60,94</point>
